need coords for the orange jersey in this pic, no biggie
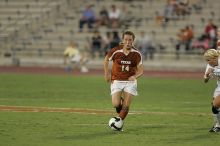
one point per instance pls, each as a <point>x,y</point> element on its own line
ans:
<point>123,65</point>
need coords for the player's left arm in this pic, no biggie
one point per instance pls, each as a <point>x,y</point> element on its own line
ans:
<point>139,72</point>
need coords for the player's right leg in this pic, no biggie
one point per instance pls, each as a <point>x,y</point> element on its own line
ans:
<point>116,101</point>
<point>68,67</point>
<point>216,117</point>
<point>116,92</point>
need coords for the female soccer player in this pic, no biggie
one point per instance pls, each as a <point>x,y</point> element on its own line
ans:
<point>212,57</point>
<point>126,68</point>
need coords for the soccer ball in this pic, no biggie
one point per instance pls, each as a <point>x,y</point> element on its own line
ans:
<point>115,123</point>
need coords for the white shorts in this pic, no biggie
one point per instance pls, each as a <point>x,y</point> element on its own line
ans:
<point>76,58</point>
<point>127,86</point>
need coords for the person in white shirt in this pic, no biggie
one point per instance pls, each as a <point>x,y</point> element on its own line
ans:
<point>212,57</point>
<point>114,15</point>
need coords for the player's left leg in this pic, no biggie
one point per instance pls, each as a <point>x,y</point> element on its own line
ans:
<point>216,114</point>
<point>126,104</point>
<point>216,101</point>
<point>216,118</point>
<point>130,90</point>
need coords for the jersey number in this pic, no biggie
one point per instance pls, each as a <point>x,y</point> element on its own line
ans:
<point>125,68</point>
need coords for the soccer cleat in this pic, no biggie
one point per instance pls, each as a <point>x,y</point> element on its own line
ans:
<point>214,129</point>
<point>121,130</point>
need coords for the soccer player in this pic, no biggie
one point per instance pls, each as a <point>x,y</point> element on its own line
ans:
<point>212,57</point>
<point>127,66</point>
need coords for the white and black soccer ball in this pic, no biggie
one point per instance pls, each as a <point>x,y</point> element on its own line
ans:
<point>116,123</point>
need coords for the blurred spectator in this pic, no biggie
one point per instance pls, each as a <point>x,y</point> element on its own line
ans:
<point>180,42</point>
<point>188,36</point>
<point>73,58</point>
<point>211,33</point>
<point>169,10</point>
<point>103,16</point>
<point>184,38</point>
<point>218,33</point>
<point>209,38</point>
<point>218,41</point>
<point>125,16</point>
<point>96,44</point>
<point>197,6</point>
<point>115,39</point>
<point>88,17</point>
<point>114,15</point>
<point>176,9</point>
<point>144,44</point>
<point>159,18</point>
<point>106,42</point>
<point>209,27</point>
<point>182,8</point>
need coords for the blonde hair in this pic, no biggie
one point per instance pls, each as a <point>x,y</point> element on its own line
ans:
<point>211,53</point>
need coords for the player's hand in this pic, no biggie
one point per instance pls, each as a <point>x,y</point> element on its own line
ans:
<point>206,80</point>
<point>207,76</point>
<point>107,77</point>
<point>132,78</point>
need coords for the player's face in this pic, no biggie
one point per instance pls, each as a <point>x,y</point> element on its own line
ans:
<point>212,61</point>
<point>128,41</point>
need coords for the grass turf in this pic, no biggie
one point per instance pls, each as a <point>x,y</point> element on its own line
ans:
<point>169,112</point>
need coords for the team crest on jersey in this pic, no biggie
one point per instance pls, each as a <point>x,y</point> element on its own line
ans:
<point>125,62</point>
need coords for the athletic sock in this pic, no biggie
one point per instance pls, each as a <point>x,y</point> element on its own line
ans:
<point>123,113</point>
<point>216,118</point>
<point>118,109</point>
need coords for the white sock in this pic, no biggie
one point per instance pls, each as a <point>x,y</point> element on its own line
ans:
<point>216,118</point>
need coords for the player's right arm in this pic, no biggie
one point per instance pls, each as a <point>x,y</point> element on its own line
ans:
<point>106,69</point>
<point>208,73</point>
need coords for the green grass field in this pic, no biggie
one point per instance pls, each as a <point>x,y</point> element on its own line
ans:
<point>167,112</point>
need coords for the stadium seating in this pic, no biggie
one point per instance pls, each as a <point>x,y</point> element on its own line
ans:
<point>38,28</point>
